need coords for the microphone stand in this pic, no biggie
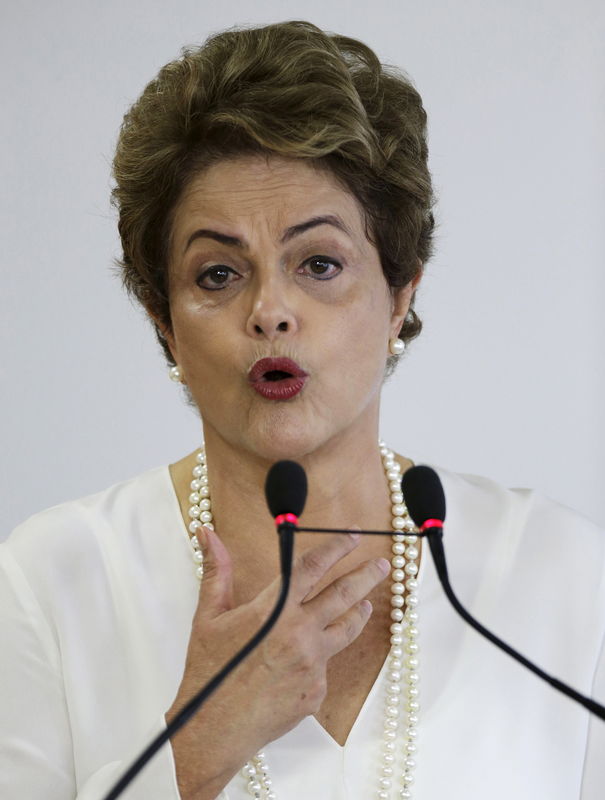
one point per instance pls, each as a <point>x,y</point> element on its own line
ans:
<point>286,549</point>
<point>435,539</point>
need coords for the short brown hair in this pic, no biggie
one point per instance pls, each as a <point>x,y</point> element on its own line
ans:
<point>289,89</point>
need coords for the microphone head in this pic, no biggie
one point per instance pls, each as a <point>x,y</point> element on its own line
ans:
<point>286,488</point>
<point>423,494</point>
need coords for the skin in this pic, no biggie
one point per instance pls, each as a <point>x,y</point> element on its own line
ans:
<point>314,293</point>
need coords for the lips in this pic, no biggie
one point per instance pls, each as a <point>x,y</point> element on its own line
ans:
<point>277,378</point>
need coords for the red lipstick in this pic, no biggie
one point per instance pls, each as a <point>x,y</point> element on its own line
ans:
<point>277,378</point>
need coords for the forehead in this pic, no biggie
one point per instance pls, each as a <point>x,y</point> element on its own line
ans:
<point>268,191</point>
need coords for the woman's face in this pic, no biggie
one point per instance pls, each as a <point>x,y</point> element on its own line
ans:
<point>269,259</point>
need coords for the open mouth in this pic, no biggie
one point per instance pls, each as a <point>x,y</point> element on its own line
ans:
<point>277,378</point>
<point>276,375</point>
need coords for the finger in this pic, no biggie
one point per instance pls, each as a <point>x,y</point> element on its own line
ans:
<point>347,591</point>
<point>216,592</point>
<point>312,565</point>
<point>346,628</point>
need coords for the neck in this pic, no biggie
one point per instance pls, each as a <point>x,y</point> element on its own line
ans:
<point>347,487</point>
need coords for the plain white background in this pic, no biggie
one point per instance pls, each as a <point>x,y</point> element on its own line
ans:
<point>507,378</point>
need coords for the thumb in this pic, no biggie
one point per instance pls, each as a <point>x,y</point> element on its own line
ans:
<point>216,591</point>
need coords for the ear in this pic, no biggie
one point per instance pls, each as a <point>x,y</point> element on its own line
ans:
<point>165,332</point>
<point>402,297</point>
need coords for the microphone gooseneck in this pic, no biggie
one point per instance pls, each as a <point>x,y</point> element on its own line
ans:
<point>425,499</point>
<point>286,493</point>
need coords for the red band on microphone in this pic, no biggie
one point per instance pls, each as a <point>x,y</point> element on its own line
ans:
<point>281,518</point>
<point>431,523</point>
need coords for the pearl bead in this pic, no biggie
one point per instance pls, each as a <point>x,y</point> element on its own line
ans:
<point>394,675</point>
<point>397,523</point>
<point>398,575</point>
<point>410,568</point>
<point>195,485</point>
<point>394,689</point>
<point>396,627</point>
<point>411,552</point>
<point>194,525</point>
<point>411,539</point>
<point>397,509</point>
<point>396,638</point>
<point>411,615</point>
<point>397,615</point>
<point>412,677</point>
<point>200,572</point>
<point>412,632</point>
<point>398,537</point>
<point>397,588</point>
<point>396,652</point>
<point>200,457</point>
<point>398,548</point>
<point>397,562</point>
<point>395,486</point>
<point>396,664</point>
<point>393,473</point>
<point>388,758</point>
<point>397,601</point>
<point>205,504</point>
<point>411,584</point>
<point>194,498</point>
<point>206,516</point>
<point>198,556</point>
<point>194,541</point>
<point>396,498</point>
<point>412,600</point>
<point>198,471</point>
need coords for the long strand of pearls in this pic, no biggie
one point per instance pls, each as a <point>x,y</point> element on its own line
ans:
<point>401,696</point>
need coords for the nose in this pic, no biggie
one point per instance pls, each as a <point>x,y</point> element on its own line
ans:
<point>271,315</point>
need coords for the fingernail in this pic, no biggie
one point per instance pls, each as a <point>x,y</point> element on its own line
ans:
<point>355,536</point>
<point>366,606</point>
<point>383,565</point>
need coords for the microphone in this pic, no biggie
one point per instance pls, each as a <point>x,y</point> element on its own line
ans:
<point>286,493</point>
<point>425,500</point>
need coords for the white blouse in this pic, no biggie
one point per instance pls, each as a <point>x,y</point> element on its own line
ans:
<point>96,602</point>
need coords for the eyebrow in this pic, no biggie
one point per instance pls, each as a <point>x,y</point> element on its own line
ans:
<point>290,233</point>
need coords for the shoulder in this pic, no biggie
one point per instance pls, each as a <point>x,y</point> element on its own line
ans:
<point>473,501</point>
<point>86,528</point>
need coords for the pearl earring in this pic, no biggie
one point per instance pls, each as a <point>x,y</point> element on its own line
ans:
<point>175,374</point>
<point>396,346</point>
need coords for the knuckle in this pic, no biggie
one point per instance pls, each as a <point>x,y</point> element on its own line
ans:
<point>313,562</point>
<point>345,593</point>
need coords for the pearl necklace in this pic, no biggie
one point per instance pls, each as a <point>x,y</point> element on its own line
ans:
<point>401,689</point>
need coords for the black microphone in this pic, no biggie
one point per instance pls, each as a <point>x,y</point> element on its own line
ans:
<point>425,500</point>
<point>286,493</point>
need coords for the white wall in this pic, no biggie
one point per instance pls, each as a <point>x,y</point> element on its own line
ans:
<point>507,380</point>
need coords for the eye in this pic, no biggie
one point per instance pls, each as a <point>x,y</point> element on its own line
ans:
<point>217,277</point>
<point>321,268</point>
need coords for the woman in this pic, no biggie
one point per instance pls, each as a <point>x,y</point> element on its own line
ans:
<point>275,213</point>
